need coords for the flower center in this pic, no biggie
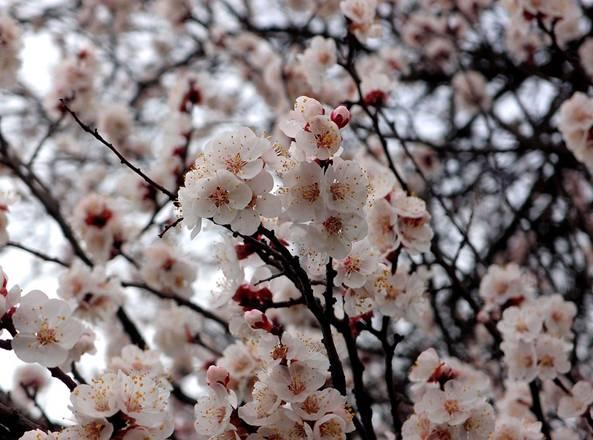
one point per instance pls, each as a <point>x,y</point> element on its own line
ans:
<point>547,361</point>
<point>521,327</point>
<point>100,219</point>
<point>311,405</point>
<point>296,386</point>
<point>220,414</point>
<point>310,192</point>
<point>352,264</point>
<point>338,191</point>
<point>331,429</point>
<point>451,406</point>
<point>279,351</point>
<point>413,222</point>
<point>392,292</point>
<point>323,58</point>
<point>93,430</point>
<point>333,225</point>
<point>235,164</point>
<point>527,361</point>
<point>556,316</point>
<point>325,140</point>
<point>219,197</point>
<point>46,334</point>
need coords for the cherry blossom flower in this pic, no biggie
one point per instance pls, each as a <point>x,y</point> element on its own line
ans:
<point>345,186</point>
<point>419,29</point>
<point>84,345</point>
<point>305,109</point>
<point>335,233</point>
<point>285,424</point>
<point>302,198</point>
<point>295,382</point>
<point>512,428</point>
<point>174,11</point>
<point>552,356</point>
<point>470,91</point>
<point>501,283</point>
<point>29,382</point>
<point>238,361</point>
<point>329,427</point>
<point>549,8</point>
<point>575,123</point>
<point>319,56</point>
<point>94,295</point>
<point>396,294</point>
<point>564,433</point>
<point>451,405</point>
<point>319,404</point>
<point>558,315</point>
<point>321,140</point>
<point>586,56</point>
<point>238,151</point>
<point>361,262</point>
<point>98,399</point>
<point>189,89</point>
<point>10,35</point>
<point>175,331</point>
<point>220,197</point>
<point>375,89</point>
<point>425,366</point>
<point>96,429</point>
<point>36,434</point>
<point>413,228</point>
<point>521,359</point>
<point>263,406</point>
<point>100,225</point>
<point>46,330</point>
<point>5,200</point>
<point>579,400</point>
<point>418,427</point>
<point>520,323</point>
<point>382,220</point>
<point>74,79</point>
<point>213,411</point>
<point>134,360</point>
<point>144,398</point>
<point>163,269</point>
<point>116,122</point>
<point>263,204</point>
<point>479,425</point>
<point>9,298</point>
<point>362,14</point>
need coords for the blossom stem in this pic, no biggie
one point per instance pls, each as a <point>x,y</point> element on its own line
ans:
<point>536,408</point>
<point>66,380</point>
<point>95,133</point>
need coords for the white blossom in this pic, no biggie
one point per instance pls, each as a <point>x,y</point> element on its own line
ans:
<point>579,400</point>
<point>46,330</point>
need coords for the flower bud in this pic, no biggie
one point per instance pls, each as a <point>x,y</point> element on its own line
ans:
<point>217,375</point>
<point>483,317</point>
<point>32,376</point>
<point>341,116</point>
<point>257,319</point>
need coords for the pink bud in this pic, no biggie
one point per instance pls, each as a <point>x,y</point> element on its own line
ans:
<point>217,375</point>
<point>3,283</point>
<point>341,116</point>
<point>256,319</point>
<point>482,317</point>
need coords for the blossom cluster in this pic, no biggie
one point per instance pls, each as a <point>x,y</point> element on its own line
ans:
<point>298,219</point>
